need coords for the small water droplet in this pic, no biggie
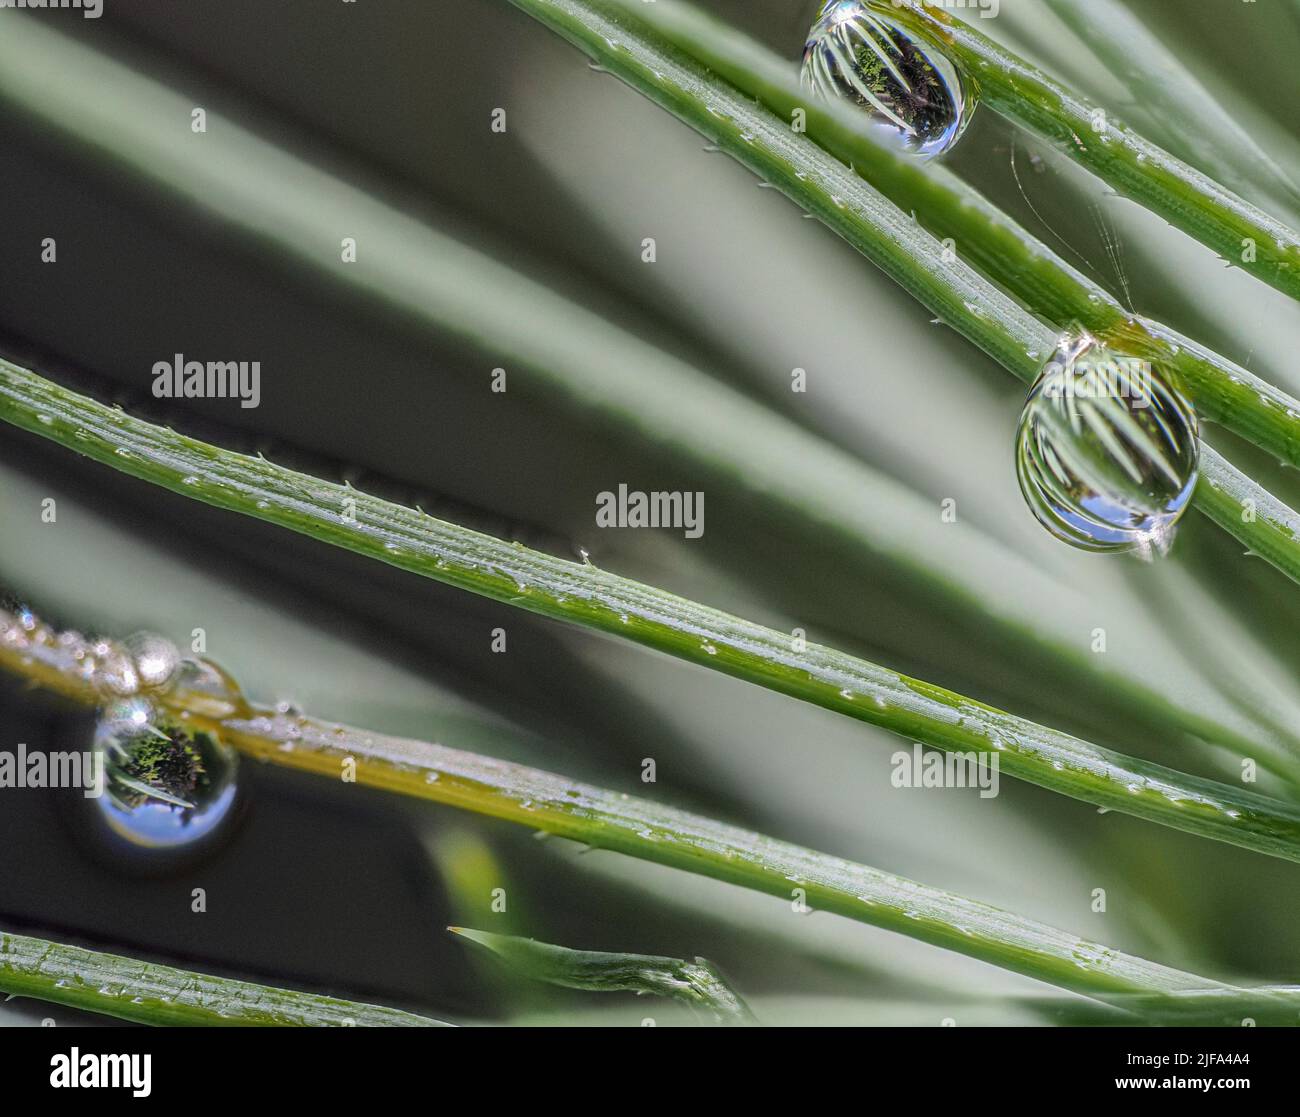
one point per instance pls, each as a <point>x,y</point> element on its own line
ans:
<point>914,94</point>
<point>157,662</point>
<point>1107,450</point>
<point>115,672</point>
<point>205,689</point>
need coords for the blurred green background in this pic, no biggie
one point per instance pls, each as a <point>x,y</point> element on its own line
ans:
<point>341,889</point>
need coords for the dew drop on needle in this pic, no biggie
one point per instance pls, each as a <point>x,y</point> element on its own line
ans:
<point>156,659</point>
<point>1107,450</point>
<point>209,691</point>
<point>165,785</point>
<point>914,94</point>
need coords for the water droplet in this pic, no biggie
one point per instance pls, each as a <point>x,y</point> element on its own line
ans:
<point>166,786</point>
<point>913,92</point>
<point>207,691</point>
<point>115,672</point>
<point>157,662</point>
<point>1107,450</point>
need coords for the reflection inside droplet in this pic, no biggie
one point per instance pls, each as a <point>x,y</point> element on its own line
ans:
<point>165,785</point>
<point>1107,450</point>
<point>914,94</point>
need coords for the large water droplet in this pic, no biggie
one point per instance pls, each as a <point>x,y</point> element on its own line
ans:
<point>165,785</point>
<point>1107,450</point>
<point>914,94</point>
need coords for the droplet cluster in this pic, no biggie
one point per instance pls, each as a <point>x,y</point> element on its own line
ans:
<point>166,784</point>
